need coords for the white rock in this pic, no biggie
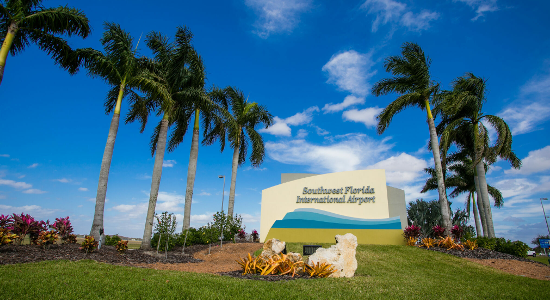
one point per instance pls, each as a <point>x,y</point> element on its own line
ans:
<point>341,256</point>
<point>272,247</point>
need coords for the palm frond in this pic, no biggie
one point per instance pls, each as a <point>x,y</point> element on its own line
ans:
<point>401,103</point>
<point>60,20</point>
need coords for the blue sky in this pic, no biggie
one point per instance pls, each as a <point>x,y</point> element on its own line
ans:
<point>312,64</point>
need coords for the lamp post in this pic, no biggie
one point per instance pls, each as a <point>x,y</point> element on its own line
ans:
<point>545,219</point>
<point>223,196</point>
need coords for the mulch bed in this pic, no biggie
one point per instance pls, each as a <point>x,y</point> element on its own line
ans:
<point>12,254</point>
<point>239,274</point>
<point>481,253</point>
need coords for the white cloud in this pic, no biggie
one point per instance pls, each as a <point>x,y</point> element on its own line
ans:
<point>4,155</point>
<point>63,180</point>
<point>125,207</point>
<point>15,184</point>
<point>2,196</point>
<point>349,70</point>
<point>534,97</point>
<point>22,176</point>
<point>395,12</point>
<point>366,116</point>
<point>276,16</point>
<point>320,131</point>
<point>402,168</point>
<point>168,163</point>
<point>281,127</point>
<point>33,166</point>
<point>83,189</point>
<point>36,211</point>
<point>34,191</point>
<point>348,101</point>
<point>342,153</point>
<point>302,133</point>
<point>521,117</point>
<point>144,176</point>
<point>386,11</point>
<point>204,194</point>
<point>536,161</point>
<point>480,6</point>
<point>515,187</point>
<point>420,21</point>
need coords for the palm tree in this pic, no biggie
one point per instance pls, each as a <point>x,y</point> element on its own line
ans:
<point>178,94</point>
<point>412,81</point>
<point>25,22</point>
<point>462,113</point>
<point>120,68</point>
<point>462,181</point>
<point>238,119</point>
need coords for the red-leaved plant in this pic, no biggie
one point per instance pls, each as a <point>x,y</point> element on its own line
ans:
<point>241,234</point>
<point>457,232</point>
<point>438,231</point>
<point>63,228</point>
<point>412,231</point>
<point>255,235</point>
<point>6,222</point>
<point>25,224</point>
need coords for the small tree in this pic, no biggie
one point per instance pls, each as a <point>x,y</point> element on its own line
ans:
<point>164,238</point>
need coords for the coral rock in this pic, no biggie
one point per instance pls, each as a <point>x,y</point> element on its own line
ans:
<point>341,256</point>
<point>272,247</point>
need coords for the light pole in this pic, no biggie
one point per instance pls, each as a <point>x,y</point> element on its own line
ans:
<point>545,219</point>
<point>223,196</point>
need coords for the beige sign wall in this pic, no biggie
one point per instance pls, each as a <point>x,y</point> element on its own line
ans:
<point>358,194</point>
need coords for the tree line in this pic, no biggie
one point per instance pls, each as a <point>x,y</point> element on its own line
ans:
<point>171,84</point>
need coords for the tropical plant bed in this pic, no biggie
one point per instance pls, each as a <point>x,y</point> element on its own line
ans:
<point>480,253</point>
<point>13,254</point>
<point>239,274</point>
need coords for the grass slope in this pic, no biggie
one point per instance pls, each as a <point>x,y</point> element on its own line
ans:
<point>384,272</point>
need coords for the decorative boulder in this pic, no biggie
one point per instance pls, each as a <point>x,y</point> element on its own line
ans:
<point>272,247</point>
<point>294,257</point>
<point>341,256</point>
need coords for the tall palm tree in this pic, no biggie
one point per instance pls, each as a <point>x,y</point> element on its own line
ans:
<point>177,94</point>
<point>412,81</point>
<point>462,181</point>
<point>238,119</point>
<point>462,115</point>
<point>121,69</point>
<point>24,21</point>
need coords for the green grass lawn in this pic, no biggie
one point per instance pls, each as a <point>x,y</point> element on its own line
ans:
<point>542,259</point>
<point>384,272</point>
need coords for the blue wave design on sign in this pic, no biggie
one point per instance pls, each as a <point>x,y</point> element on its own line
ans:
<point>318,219</point>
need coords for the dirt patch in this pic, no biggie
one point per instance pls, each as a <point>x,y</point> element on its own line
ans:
<point>521,268</point>
<point>221,259</point>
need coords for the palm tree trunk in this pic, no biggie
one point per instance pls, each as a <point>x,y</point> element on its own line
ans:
<point>476,216</point>
<point>481,207</point>
<point>445,213</point>
<point>485,198</point>
<point>97,224</point>
<point>6,46</point>
<point>155,183</point>
<point>234,167</point>
<point>191,172</point>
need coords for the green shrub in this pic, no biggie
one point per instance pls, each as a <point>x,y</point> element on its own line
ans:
<point>194,237</point>
<point>162,247</point>
<point>502,245</point>
<point>112,240</point>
